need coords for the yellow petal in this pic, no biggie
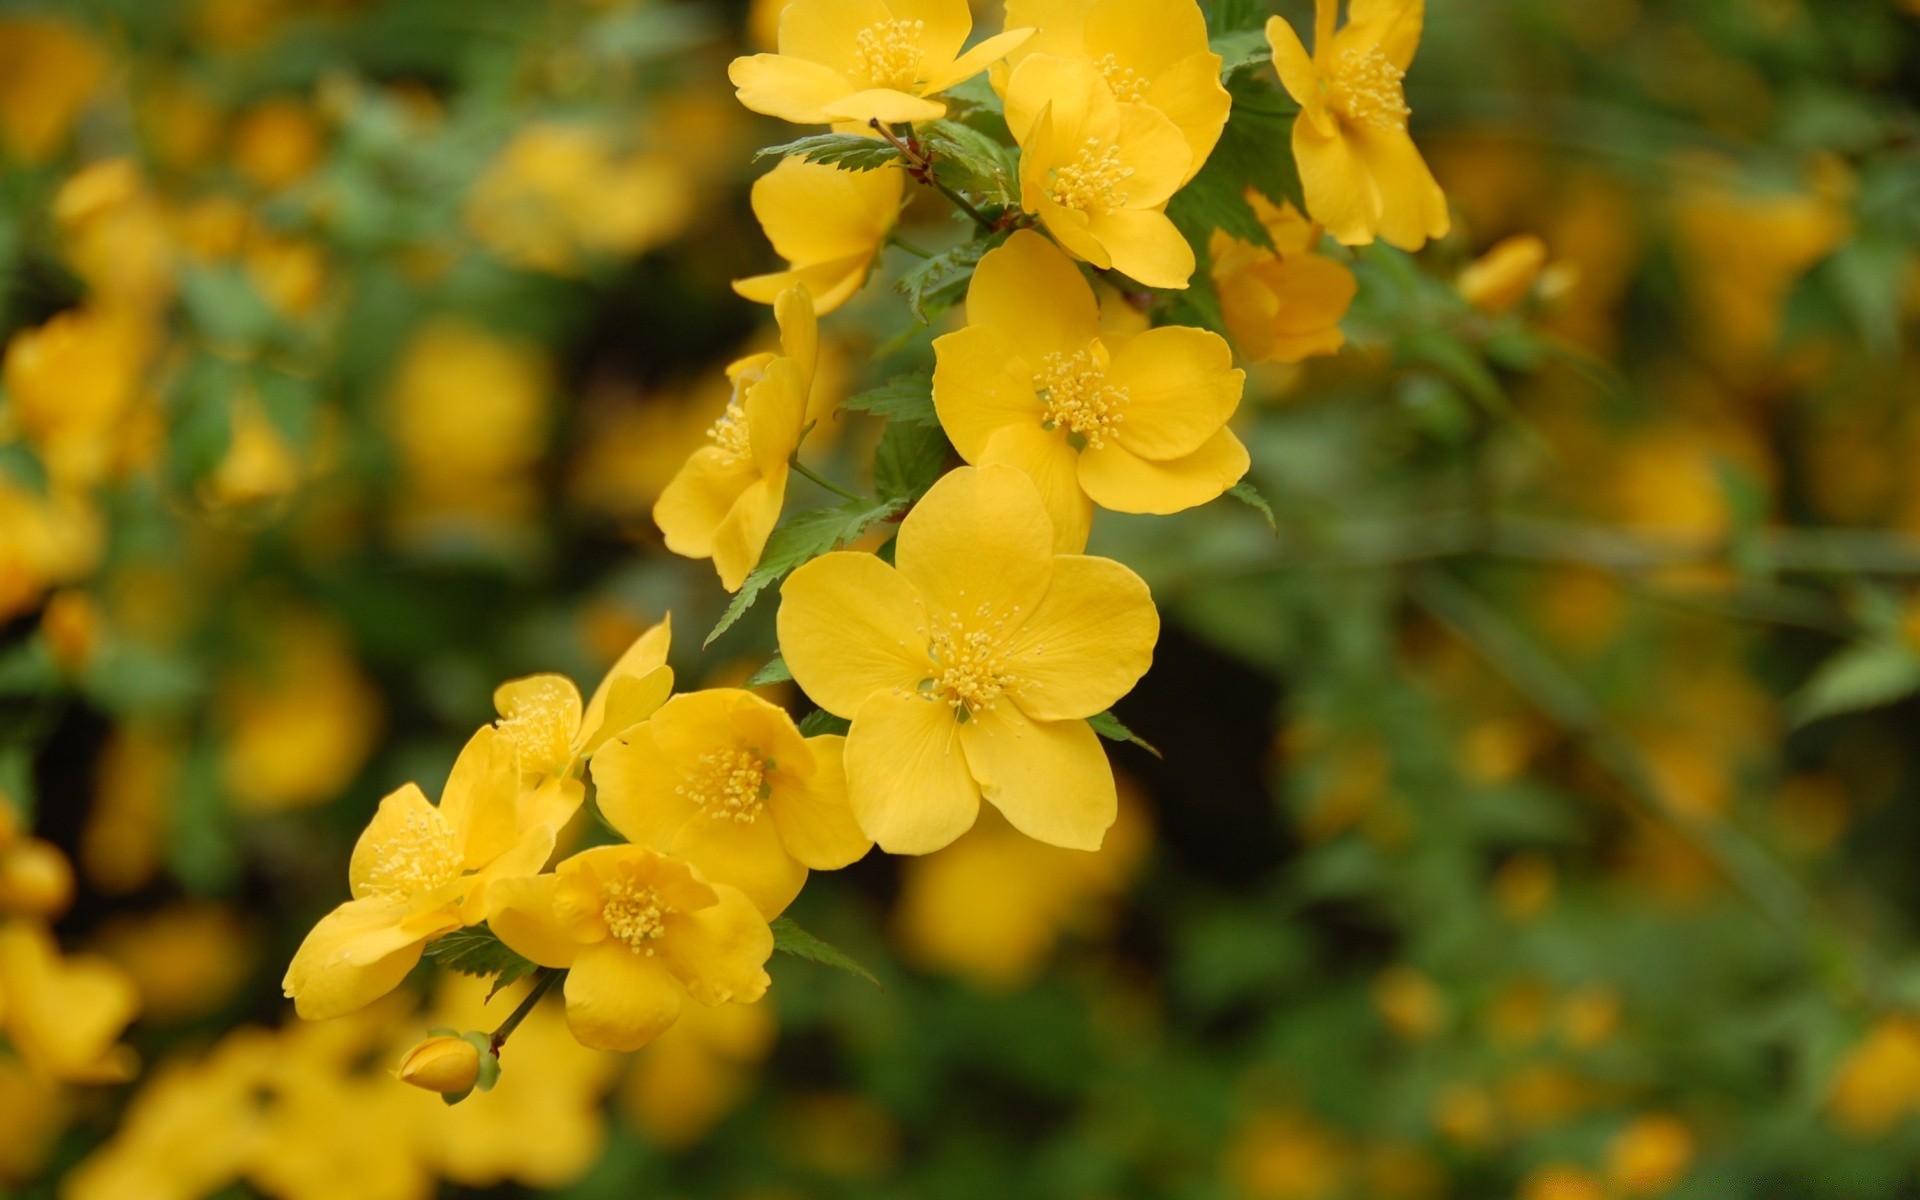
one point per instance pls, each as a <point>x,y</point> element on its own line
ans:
<point>1392,26</point>
<point>1073,229</point>
<point>647,654</point>
<point>850,626</point>
<point>981,384</point>
<point>793,312</point>
<point>907,777</point>
<point>831,283</point>
<point>1144,244</point>
<point>1054,467</point>
<point>698,499</point>
<point>626,701</point>
<point>619,1000</point>
<point>738,543</point>
<point>405,835</point>
<point>944,26</point>
<point>65,1014</point>
<point>828,31</point>
<point>525,918</point>
<point>776,408</point>
<point>1153,148</point>
<point>976,60</point>
<point>1413,208</point>
<point>978,541</point>
<point>1064,90</point>
<point>1296,70</point>
<point>353,956</point>
<point>639,789</point>
<point>1339,188</point>
<point>552,804</point>
<point>523,860</point>
<point>1090,641</point>
<point>719,953</point>
<point>885,105</point>
<point>746,855</point>
<point>1050,778</point>
<point>1192,97</point>
<point>1181,388</point>
<point>478,801</point>
<point>1312,294</point>
<point>812,813</point>
<point>1032,295</point>
<point>540,715</point>
<point>792,89</point>
<point>1122,481</point>
<point>1146,36</point>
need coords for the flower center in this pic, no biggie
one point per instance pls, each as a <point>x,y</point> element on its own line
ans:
<point>729,785</point>
<point>730,431</point>
<point>635,915</point>
<point>1365,88</point>
<point>537,722</point>
<point>888,54</point>
<point>1079,398</point>
<point>1129,86</point>
<point>421,856</point>
<point>972,670</point>
<point>1094,180</point>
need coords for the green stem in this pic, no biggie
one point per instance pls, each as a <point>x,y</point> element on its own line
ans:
<point>544,979</point>
<point>921,168</point>
<point>909,247</point>
<point>828,484</point>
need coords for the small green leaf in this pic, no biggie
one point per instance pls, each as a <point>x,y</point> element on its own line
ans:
<point>476,950</point>
<point>1108,726</point>
<point>1863,676</point>
<point>821,721</point>
<point>908,460</point>
<point>1241,49</point>
<point>848,151</point>
<point>906,398</point>
<point>800,540</point>
<point>937,284</point>
<point>774,672</point>
<point>1249,495</point>
<point>1216,199</point>
<point>789,938</point>
<point>970,161</point>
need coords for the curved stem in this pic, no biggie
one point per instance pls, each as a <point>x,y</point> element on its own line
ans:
<point>824,482</point>
<point>544,979</point>
<point>921,168</point>
<point>909,247</point>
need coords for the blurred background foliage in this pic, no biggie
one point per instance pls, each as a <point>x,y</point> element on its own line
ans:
<point>1537,815</point>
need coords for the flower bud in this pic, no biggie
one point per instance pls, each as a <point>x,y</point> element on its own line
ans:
<point>1502,277</point>
<point>446,1064</point>
<point>35,879</point>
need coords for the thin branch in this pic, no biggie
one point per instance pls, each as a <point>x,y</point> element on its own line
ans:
<point>921,168</point>
<point>803,470</point>
<point>544,979</point>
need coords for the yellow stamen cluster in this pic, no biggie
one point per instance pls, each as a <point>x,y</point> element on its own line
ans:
<point>729,785</point>
<point>635,915</point>
<point>1079,398</point>
<point>889,54</point>
<point>1129,86</point>
<point>973,669</point>
<point>1365,88</point>
<point>539,718</point>
<point>1094,181</point>
<point>421,856</point>
<point>730,431</point>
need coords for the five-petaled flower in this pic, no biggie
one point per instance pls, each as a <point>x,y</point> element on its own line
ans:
<point>1363,176</point>
<point>636,930</point>
<point>1284,304</point>
<point>725,781</point>
<point>828,223</point>
<point>969,668</point>
<point>1131,423</point>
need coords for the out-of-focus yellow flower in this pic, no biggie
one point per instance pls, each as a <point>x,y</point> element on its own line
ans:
<point>828,223</point>
<point>35,878</point>
<point>290,272</point>
<point>115,236</point>
<point>180,125</point>
<point>968,668</point>
<point>633,444</point>
<point>185,960</point>
<point>1562,1182</point>
<point>417,872</point>
<point>71,626</point>
<point>48,73</point>
<point>1132,423</point>
<point>1410,1002</point>
<point>1287,1156</point>
<point>1650,1156</point>
<point>1465,1115</point>
<point>1879,1083</point>
<point>1151,52</point>
<point>876,60</point>
<point>278,143</point>
<point>1098,171</point>
<point>1504,276</point>
<point>558,194</point>
<point>259,465</point>
<point>992,906</point>
<point>63,1016</point>
<point>72,385</point>
<point>692,1075</point>
<point>722,780</point>
<point>33,1111</point>
<point>1363,176</point>
<point>637,931</point>
<point>445,1063</point>
<point>1589,1015</point>
<point>726,500</point>
<point>45,541</point>
<point>299,721</point>
<point>1285,304</point>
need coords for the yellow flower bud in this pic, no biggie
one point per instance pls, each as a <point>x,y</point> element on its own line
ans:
<point>35,879</point>
<point>446,1064</point>
<point>1502,277</point>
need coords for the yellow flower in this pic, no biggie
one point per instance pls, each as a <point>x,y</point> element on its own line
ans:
<point>48,74</point>
<point>418,872</point>
<point>1878,1084</point>
<point>44,541</point>
<point>1364,177</point>
<point>444,1063</point>
<point>1650,1156</point>
<point>186,960</point>
<point>828,224</point>
<point>636,931</point>
<point>1151,52</point>
<point>1285,304</point>
<point>259,465</point>
<point>969,668</point>
<point>300,721</point>
<point>723,780</point>
<point>868,60</point>
<point>63,1016</point>
<point>725,501</point>
<point>35,878</point>
<point>1502,277</point>
<point>1132,423</point>
<point>115,235</point>
<point>277,143</point>
<point>1098,171</point>
<point>72,387</point>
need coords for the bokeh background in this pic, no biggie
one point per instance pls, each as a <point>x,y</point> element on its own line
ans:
<point>1538,814</point>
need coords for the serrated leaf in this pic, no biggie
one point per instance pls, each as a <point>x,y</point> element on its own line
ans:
<point>970,161</point>
<point>801,539</point>
<point>477,950</point>
<point>789,938</point>
<point>907,398</point>
<point>1216,199</point>
<point>1252,148</point>
<point>908,460</point>
<point>937,284</point>
<point>1249,495</point>
<point>775,671</point>
<point>1108,726</point>
<point>821,721</point>
<point>1241,49</point>
<point>1864,676</point>
<point>976,95</point>
<point>848,151</point>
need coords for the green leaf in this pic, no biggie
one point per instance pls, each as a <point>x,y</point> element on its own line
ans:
<point>976,95</point>
<point>1249,495</point>
<point>789,938</point>
<point>774,672</point>
<point>223,304</point>
<point>968,160</point>
<point>908,460</point>
<point>821,721</point>
<point>800,540</point>
<point>907,398</point>
<point>1253,147</point>
<point>1241,49</point>
<point>1108,726</point>
<point>848,151</point>
<point>477,950</point>
<point>23,467</point>
<point>1234,16</point>
<point>1867,675</point>
<point>935,285</point>
<point>1216,199</point>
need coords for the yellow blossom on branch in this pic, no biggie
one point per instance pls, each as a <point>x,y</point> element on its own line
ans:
<point>968,668</point>
<point>828,223</point>
<point>1284,304</point>
<point>1131,423</point>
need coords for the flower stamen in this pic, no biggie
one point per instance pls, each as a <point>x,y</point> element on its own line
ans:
<point>1094,181</point>
<point>1366,88</point>
<point>888,54</point>
<point>729,785</point>
<point>1079,398</point>
<point>635,915</point>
